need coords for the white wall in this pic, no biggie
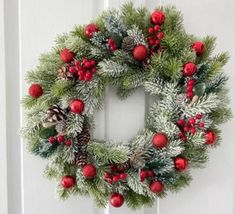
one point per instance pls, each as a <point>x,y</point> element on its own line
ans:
<point>32,25</point>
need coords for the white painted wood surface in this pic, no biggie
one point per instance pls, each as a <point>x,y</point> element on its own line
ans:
<point>31,26</point>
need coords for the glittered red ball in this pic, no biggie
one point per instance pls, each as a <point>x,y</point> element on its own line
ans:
<point>156,186</point>
<point>140,53</point>
<point>90,29</point>
<point>158,17</point>
<point>89,171</point>
<point>198,47</point>
<point>159,140</point>
<point>189,69</point>
<point>66,55</point>
<point>116,200</point>
<point>77,106</point>
<point>211,137</point>
<point>67,181</point>
<point>35,90</point>
<point>180,163</point>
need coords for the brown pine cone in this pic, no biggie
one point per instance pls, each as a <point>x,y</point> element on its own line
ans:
<point>84,136</point>
<point>128,43</point>
<point>63,73</point>
<point>81,159</point>
<point>55,114</point>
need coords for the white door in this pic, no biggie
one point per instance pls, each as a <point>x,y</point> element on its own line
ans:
<point>28,28</point>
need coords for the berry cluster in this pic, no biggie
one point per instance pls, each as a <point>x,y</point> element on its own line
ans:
<point>115,175</point>
<point>190,126</point>
<point>111,44</point>
<point>60,139</point>
<point>155,37</point>
<point>189,89</point>
<point>145,174</point>
<point>84,69</point>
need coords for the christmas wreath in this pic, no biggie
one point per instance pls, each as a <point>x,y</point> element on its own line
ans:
<point>130,48</point>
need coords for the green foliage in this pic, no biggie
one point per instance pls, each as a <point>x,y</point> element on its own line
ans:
<point>160,75</point>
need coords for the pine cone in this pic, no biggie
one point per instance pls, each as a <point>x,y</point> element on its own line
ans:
<point>63,73</point>
<point>84,136</point>
<point>60,127</point>
<point>55,114</point>
<point>81,159</point>
<point>128,43</point>
<point>123,167</point>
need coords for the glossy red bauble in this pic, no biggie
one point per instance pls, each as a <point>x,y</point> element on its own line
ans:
<point>180,163</point>
<point>116,200</point>
<point>140,53</point>
<point>211,137</point>
<point>198,47</point>
<point>67,181</point>
<point>156,186</point>
<point>89,171</point>
<point>189,69</point>
<point>66,55</point>
<point>90,29</point>
<point>159,140</point>
<point>35,90</point>
<point>158,17</point>
<point>77,106</point>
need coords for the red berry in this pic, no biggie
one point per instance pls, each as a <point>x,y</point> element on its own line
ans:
<point>150,173</point>
<point>82,77</point>
<point>60,138</point>
<point>151,30</point>
<point>67,181</point>
<point>77,63</point>
<point>81,72</point>
<point>180,163</point>
<point>156,186</point>
<point>87,64</point>
<point>211,137</point>
<point>189,94</point>
<point>156,28</point>
<point>192,121</point>
<point>180,122</point>
<point>35,90</point>
<point>77,106</point>
<point>72,69</point>
<point>183,138</point>
<point>68,142</point>
<point>201,125</point>
<point>160,35</point>
<point>157,42</point>
<point>189,69</point>
<point>198,47</point>
<point>116,200</point>
<point>192,130</point>
<point>89,171</point>
<point>158,17</point>
<point>191,82</point>
<point>151,42</point>
<point>84,61</point>
<point>52,140</point>
<point>140,53</point>
<point>66,55</point>
<point>189,88</point>
<point>107,175</point>
<point>90,29</point>
<point>199,116</point>
<point>143,175</point>
<point>186,128</point>
<point>88,76</point>
<point>109,180</point>
<point>111,42</point>
<point>93,62</point>
<point>113,47</point>
<point>116,178</point>
<point>123,176</point>
<point>159,140</point>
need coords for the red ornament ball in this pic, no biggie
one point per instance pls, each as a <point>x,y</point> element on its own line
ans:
<point>89,171</point>
<point>90,29</point>
<point>180,163</point>
<point>35,90</point>
<point>156,186</point>
<point>67,181</point>
<point>140,53</point>
<point>159,140</point>
<point>189,69</point>
<point>66,55</point>
<point>158,17</point>
<point>211,137</point>
<point>198,47</point>
<point>116,200</point>
<point>77,106</point>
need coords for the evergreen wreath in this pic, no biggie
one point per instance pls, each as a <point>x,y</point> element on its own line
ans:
<point>130,48</point>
